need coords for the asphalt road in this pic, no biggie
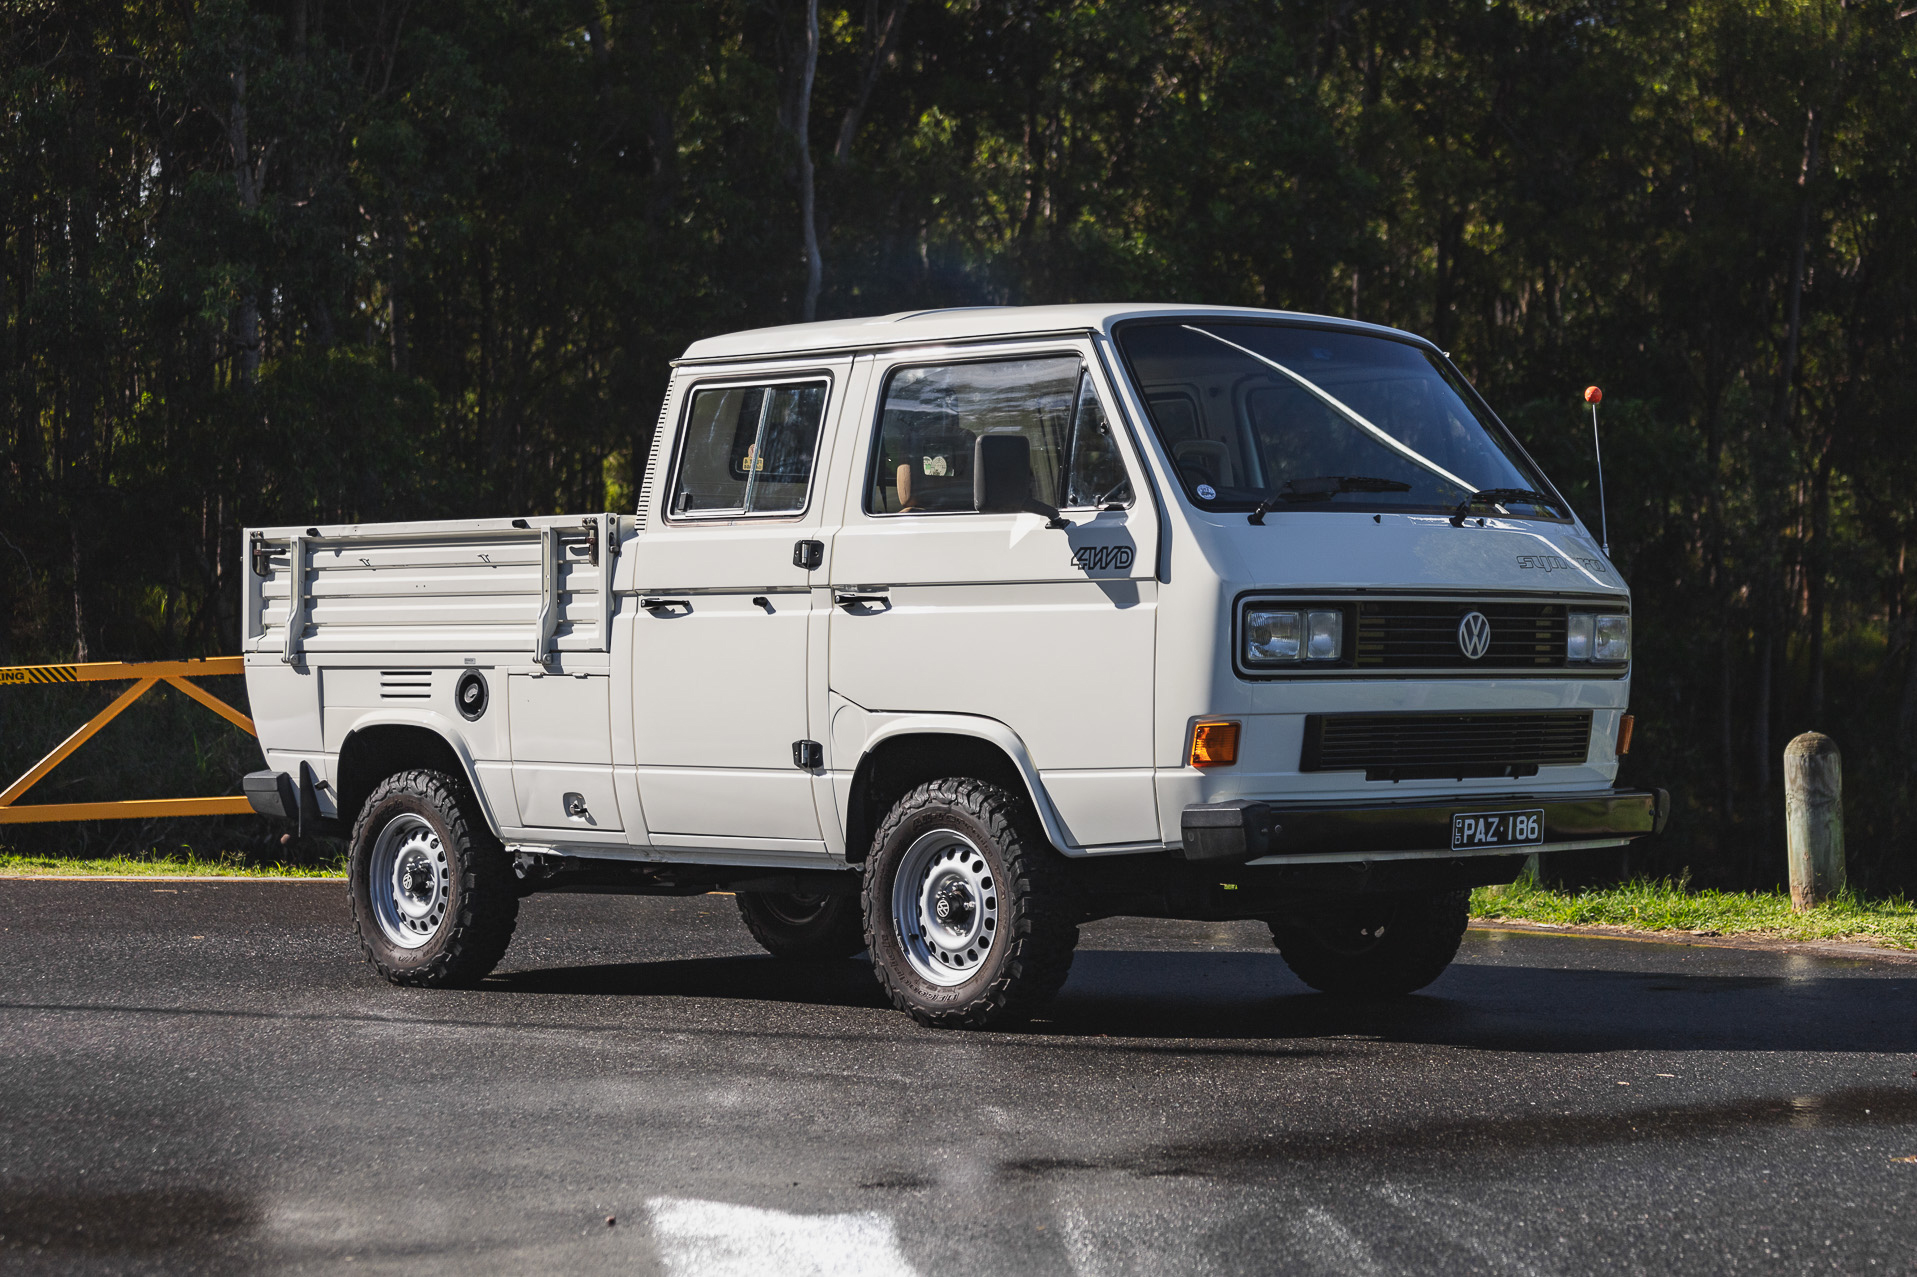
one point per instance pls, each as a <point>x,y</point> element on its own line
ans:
<point>205,1078</point>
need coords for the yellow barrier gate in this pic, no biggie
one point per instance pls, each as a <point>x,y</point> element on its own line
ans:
<point>143,675</point>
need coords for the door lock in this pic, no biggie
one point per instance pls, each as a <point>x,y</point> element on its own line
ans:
<point>808,754</point>
<point>808,554</point>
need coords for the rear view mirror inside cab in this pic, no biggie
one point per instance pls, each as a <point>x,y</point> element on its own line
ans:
<point>1002,477</point>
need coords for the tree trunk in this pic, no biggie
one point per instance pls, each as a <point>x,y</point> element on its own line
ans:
<point>1814,567</point>
<point>1761,724</point>
<point>882,36</point>
<point>808,213</point>
<point>1726,742</point>
<point>246,182</point>
<point>81,651</point>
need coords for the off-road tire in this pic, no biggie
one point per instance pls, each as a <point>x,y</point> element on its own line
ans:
<point>1036,922</point>
<point>1381,946</point>
<point>804,928</point>
<point>482,896</point>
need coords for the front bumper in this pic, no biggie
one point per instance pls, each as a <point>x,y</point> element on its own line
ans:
<point>1282,832</point>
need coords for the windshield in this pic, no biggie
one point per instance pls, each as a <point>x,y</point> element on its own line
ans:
<point>1316,419</point>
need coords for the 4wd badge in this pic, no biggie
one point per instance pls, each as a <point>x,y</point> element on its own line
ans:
<point>1102,558</point>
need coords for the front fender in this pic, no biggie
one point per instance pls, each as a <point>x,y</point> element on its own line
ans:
<point>882,727</point>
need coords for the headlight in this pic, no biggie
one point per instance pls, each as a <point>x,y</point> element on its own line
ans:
<point>1278,635</point>
<point>1613,639</point>
<point>1271,636</point>
<point>1577,636</point>
<point>1597,638</point>
<point>1324,636</point>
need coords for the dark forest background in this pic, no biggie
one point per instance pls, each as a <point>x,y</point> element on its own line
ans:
<point>391,259</point>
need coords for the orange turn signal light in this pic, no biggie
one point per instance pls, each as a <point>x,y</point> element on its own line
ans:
<point>1214,744</point>
<point>1624,728</point>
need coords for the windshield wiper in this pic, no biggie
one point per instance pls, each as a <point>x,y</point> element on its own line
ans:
<point>1501,497</point>
<point>1323,488</point>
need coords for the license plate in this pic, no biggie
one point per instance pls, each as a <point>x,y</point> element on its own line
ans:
<point>1497,829</point>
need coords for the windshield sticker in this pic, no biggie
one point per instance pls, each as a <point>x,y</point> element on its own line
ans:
<point>1553,563</point>
<point>1207,493</point>
<point>1102,558</point>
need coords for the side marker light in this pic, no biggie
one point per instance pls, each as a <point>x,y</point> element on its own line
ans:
<point>1214,744</point>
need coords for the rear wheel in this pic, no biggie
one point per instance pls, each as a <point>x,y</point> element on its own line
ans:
<point>433,892</point>
<point>804,927</point>
<point>1375,946</point>
<point>967,914</point>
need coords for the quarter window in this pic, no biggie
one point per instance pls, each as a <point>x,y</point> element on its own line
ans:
<point>748,449</point>
<point>933,416</point>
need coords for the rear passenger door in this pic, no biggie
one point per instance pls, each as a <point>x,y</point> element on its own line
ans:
<point>721,640</point>
<point>939,608</point>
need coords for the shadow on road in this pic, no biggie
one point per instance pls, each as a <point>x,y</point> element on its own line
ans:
<point>1410,1147</point>
<point>846,983</point>
<point>1240,997</point>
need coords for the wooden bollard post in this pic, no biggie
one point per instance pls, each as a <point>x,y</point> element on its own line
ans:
<point>1814,818</point>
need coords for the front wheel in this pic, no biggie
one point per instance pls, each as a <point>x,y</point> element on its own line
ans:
<point>967,913</point>
<point>1375,946</point>
<point>434,898</point>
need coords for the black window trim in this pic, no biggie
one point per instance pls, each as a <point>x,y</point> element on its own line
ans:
<point>691,393</point>
<point>1328,323</point>
<point>886,369</point>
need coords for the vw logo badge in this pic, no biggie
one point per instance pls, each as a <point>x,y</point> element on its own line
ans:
<point>1474,635</point>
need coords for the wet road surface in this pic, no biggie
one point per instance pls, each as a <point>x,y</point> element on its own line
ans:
<point>206,1078</point>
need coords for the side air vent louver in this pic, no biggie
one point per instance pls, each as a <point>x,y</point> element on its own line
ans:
<point>1444,746</point>
<point>405,685</point>
<point>652,464</point>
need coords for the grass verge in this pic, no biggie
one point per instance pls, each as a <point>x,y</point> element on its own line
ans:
<point>1672,906</point>
<point>226,865</point>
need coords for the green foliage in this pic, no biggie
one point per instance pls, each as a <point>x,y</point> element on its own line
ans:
<point>372,259</point>
<point>1667,905</point>
<point>185,864</point>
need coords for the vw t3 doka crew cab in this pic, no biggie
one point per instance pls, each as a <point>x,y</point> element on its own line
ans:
<point>936,635</point>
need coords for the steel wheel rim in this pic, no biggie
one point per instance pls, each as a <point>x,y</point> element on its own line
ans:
<point>410,880</point>
<point>945,907</point>
<point>795,909</point>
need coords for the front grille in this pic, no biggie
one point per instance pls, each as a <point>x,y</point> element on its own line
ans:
<point>1423,635</point>
<point>1435,746</point>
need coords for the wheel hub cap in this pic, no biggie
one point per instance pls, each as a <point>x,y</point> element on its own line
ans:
<point>953,906</point>
<point>410,881</point>
<point>945,907</point>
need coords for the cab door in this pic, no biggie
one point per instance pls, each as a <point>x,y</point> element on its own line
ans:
<point>939,608</point>
<point>721,710</point>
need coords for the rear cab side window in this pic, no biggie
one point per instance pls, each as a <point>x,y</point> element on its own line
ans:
<point>931,417</point>
<point>748,449</point>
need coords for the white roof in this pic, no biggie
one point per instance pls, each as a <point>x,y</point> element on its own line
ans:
<point>971,323</point>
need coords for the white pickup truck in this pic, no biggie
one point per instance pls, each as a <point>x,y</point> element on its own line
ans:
<point>937,635</point>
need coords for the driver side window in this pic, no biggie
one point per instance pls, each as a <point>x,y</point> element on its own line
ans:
<point>932,417</point>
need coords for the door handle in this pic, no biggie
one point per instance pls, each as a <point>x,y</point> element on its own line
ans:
<point>654,603</point>
<point>869,594</point>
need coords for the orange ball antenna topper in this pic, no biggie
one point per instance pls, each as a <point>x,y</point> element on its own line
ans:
<point>1594,397</point>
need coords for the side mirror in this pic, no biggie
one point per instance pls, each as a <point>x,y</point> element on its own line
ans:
<point>1002,477</point>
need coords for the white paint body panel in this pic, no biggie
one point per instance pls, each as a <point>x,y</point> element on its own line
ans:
<point>679,736</point>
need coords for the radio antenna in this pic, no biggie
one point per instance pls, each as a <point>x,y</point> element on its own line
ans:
<point>1594,397</point>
